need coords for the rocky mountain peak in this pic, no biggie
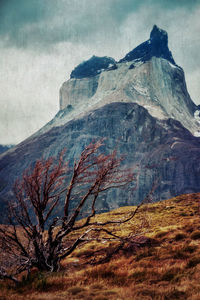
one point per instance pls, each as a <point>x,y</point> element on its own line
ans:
<point>159,35</point>
<point>147,75</point>
<point>156,45</point>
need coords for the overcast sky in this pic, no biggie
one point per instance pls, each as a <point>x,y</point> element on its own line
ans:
<point>41,41</point>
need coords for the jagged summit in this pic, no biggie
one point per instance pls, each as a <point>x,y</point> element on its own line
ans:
<point>156,45</point>
<point>159,34</point>
<point>147,75</point>
<point>92,67</point>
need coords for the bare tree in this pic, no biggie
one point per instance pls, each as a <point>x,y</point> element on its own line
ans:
<point>34,238</point>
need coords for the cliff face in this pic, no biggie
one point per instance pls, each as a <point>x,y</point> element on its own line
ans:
<point>75,92</point>
<point>164,152</point>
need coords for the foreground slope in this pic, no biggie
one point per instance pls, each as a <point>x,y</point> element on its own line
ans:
<point>164,266</point>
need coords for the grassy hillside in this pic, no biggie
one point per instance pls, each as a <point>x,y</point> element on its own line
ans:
<point>166,264</point>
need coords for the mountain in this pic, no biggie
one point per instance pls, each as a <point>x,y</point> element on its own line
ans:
<point>148,75</point>
<point>139,105</point>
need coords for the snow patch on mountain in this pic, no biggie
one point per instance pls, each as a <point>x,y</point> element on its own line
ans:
<point>197,115</point>
<point>197,119</point>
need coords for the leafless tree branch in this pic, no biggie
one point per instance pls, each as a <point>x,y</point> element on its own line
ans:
<point>33,238</point>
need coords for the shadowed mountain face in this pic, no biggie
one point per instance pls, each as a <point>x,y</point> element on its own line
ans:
<point>139,105</point>
<point>165,152</point>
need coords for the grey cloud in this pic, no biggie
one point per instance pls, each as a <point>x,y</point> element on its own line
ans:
<point>27,23</point>
<point>36,23</point>
<point>173,4</point>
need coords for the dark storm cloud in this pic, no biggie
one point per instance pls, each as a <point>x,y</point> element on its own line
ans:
<point>173,4</point>
<point>121,9</point>
<point>31,22</point>
<point>36,23</point>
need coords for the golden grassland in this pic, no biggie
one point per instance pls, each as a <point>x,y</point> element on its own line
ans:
<point>166,269</point>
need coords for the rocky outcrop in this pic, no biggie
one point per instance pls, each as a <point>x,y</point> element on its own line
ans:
<point>92,67</point>
<point>164,151</point>
<point>156,46</point>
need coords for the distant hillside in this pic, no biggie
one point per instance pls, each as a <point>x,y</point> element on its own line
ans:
<point>165,264</point>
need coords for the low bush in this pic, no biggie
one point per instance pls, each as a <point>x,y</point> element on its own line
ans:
<point>193,262</point>
<point>175,295</point>
<point>75,290</point>
<point>170,274</point>
<point>195,235</point>
<point>190,248</point>
<point>145,253</point>
<point>41,283</point>
<point>161,234</point>
<point>180,236</point>
<point>101,298</point>
<point>97,286</point>
<point>150,293</point>
<point>138,276</point>
<point>180,254</point>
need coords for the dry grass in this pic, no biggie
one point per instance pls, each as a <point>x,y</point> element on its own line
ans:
<point>169,269</point>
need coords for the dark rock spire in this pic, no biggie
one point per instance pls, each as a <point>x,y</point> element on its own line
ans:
<point>157,46</point>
